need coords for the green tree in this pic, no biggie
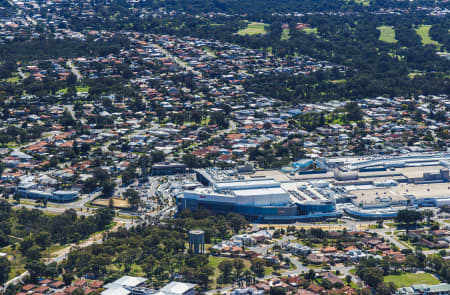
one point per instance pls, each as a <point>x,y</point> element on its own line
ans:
<point>226,268</point>
<point>68,277</point>
<point>36,269</point>
<point>258,266</point>
<point>238,266</point>
<point>5,268</point>
<point>26,244</point>
<point>354,112</point>
<point>409,217</point>
<point>348,279</point>
<point>277,291</point>
<point>237,222</point>
<point>386,289</point>
<point>133,198</point>
<point>373,276</point>
<point>203,273</point>
<point>428,214</point>
<point>311,275</point>
<point>17,198</point>
<point>89,185</point>
<point>129,174</point>
<point>34,253</point>
<point>67,119</point>
<point>108,188</point>
<point>43,239</point>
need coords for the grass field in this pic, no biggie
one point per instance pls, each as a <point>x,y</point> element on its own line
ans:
<point>412,75</point>
<point>253,28</point>
<point>310,31</point>
<point>82,88</point>
<point>408,279</point>
<point>13,79</point>
<point>363,2</point>
<point>423,31</point>
<point>387,34</point>
<point>285,34</point>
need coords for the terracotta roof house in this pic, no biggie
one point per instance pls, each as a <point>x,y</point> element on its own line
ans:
<point>316,288</point>
<point>331,277</point>
<point>317,259</point>
<point>57,284</point>
<point>70,289</point>
<point>328,250</point>
<point>96,284</point>
<point>28,287</point>
<point>44,282</point>
<point>80,283</point>
<point>41,289</point>
<point>383,247</point>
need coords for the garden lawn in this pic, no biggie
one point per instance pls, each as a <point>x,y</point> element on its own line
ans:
<point>408,279</point>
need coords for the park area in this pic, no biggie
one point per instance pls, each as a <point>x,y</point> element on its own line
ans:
<point>408,279</point>
<point>387,34</point>
<point>424,32</point>
<point>253,28</point>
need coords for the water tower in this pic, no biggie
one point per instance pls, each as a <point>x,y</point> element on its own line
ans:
<point>197,241</point>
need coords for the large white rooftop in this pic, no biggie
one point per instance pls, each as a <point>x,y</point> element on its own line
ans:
<point>260,192</point>
<point>247,184</point>
<point>176,288</point>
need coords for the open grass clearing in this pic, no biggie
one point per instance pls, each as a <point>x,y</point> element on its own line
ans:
<point>408,279</point>
<point>14,79</point>
<point>82,88</point>
<point>424,32</point>
<point>363,2</point>
<point>310,31</point>
<point>387,34</point>
<point>415,74</point>
<point>253,28</point>
<point>285,34</point>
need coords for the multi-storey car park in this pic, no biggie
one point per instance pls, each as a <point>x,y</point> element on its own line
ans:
<point>363,188</point>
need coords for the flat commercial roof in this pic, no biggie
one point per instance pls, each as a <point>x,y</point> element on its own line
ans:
<point>209,191</point>
<point>304,196</point>
<point>417,172</point>
<point>420,191</point>
<point>368,179</point>
<point>248,183</point>
<point>300,177</point>
<point>260,192</point>
<point>264,174</point>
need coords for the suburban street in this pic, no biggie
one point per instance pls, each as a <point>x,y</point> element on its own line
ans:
<point>74,69</point>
